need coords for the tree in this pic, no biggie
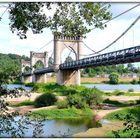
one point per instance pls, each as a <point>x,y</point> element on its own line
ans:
<point>131,124</point>
<point>113,78</point>
<point>39,64</point>
<point>50,62</point>
<point>68,59</point>
<point>9,70</point>
<point>68,18</point>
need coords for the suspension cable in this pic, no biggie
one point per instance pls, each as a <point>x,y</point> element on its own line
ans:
<point>45,45</point>
<point>119,15</point>
<point>3,13</point>
<point>69,47</point>
<point>88,47</point>
<point>113,19</point>
<point>117,37</point>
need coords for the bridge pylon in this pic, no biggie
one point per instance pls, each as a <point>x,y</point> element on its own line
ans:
<point>35,57</point>
<point>66,77</point>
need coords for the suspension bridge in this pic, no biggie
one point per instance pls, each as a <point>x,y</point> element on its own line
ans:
<point>68,73</point>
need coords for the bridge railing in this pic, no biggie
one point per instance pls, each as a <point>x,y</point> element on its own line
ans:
<point>125,55</point>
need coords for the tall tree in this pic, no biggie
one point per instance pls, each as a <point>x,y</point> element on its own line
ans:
<point>67,18</point>
<point>68,59</point>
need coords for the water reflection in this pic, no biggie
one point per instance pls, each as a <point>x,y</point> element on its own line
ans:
<point>59,127</point>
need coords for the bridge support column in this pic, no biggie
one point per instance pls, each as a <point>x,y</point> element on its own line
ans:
<point>68,77</point>
<point>40,78</point>
<point>26,79</point>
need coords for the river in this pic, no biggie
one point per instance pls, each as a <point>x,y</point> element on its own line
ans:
<point>66,128</point>
<point>121,87</point>
<point>103,87</point>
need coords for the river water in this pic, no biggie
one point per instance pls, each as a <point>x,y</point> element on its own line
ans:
<point>121,87</point>
<point>66,128</point>
<point>103,87</point>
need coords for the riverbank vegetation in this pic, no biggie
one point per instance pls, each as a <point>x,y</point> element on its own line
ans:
<point>106,70</point>
<point>130,116</point>
<point>63,113</point>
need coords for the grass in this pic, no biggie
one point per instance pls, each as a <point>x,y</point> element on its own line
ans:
<point>116,103</point>
<point>63,113</point>
<point>126,134</point>
<point>57,89</point>
<point>24,103</point>
<point>118,93</point>
<point>121,113</point>
<point>132,122</point>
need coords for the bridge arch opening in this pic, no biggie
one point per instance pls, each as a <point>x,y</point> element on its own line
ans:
<point>27,69</point>
<point>68,55</point>
<point>39,64</point>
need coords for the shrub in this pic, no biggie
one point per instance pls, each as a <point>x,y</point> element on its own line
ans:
<point>138,101</point>
<point>113,78</point>
<point>62,104</point>
<point>46,99</point>
<point>92,96</point>
<point>131,90</point>
<point>116,103</point>
<point>134,81</point>
<point>76,100</point>
<point>131,124</point>
<point>118,92</point>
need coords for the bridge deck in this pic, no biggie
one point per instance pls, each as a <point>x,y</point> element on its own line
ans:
<point>128,55</point>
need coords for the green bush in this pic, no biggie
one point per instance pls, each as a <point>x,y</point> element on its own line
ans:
<point>113,78</point>
<point>131,125</point>
<point>92,96</point>
<point>118,92</point>
<point>76,100</point>
<point>63,113</point>
<point>116,103</point>
<point>62,104</point>
<point>134,81</point>
<point>131,90</point>
<point>46,99</point>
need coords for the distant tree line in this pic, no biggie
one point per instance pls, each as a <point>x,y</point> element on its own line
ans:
<point>10,67</point>
<point>102,70</point>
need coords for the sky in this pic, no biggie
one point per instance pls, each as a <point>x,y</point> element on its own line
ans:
<point>96,40</point>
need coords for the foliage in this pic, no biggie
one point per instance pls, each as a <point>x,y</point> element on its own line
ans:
<point>131,90</point>
<point>62,104</point>
<point>76,100</point>
<point>118,93</point>
<point>9,70</point>
<point>92,96</point>
<point>69,19</point>
<point>113,78</point>
<point>132,124</point>
<point>39,64</point>
<point>106,70</point>
<point>23,103</point>
<point>116,103</point>
<point>134,81</point>
<point>68,59</point>
<point>12,124</point>
<point>10,67</point>
<point>120,115</point>
<point>63,113</point>
<point>46,99</point>
<point>50,62</point>
<point>55,88</point>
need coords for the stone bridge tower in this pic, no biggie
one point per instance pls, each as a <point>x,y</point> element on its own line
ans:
<point>66,77</point>
<point>35,57</point>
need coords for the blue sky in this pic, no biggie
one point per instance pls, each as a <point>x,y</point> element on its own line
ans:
<point>97,39</point>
